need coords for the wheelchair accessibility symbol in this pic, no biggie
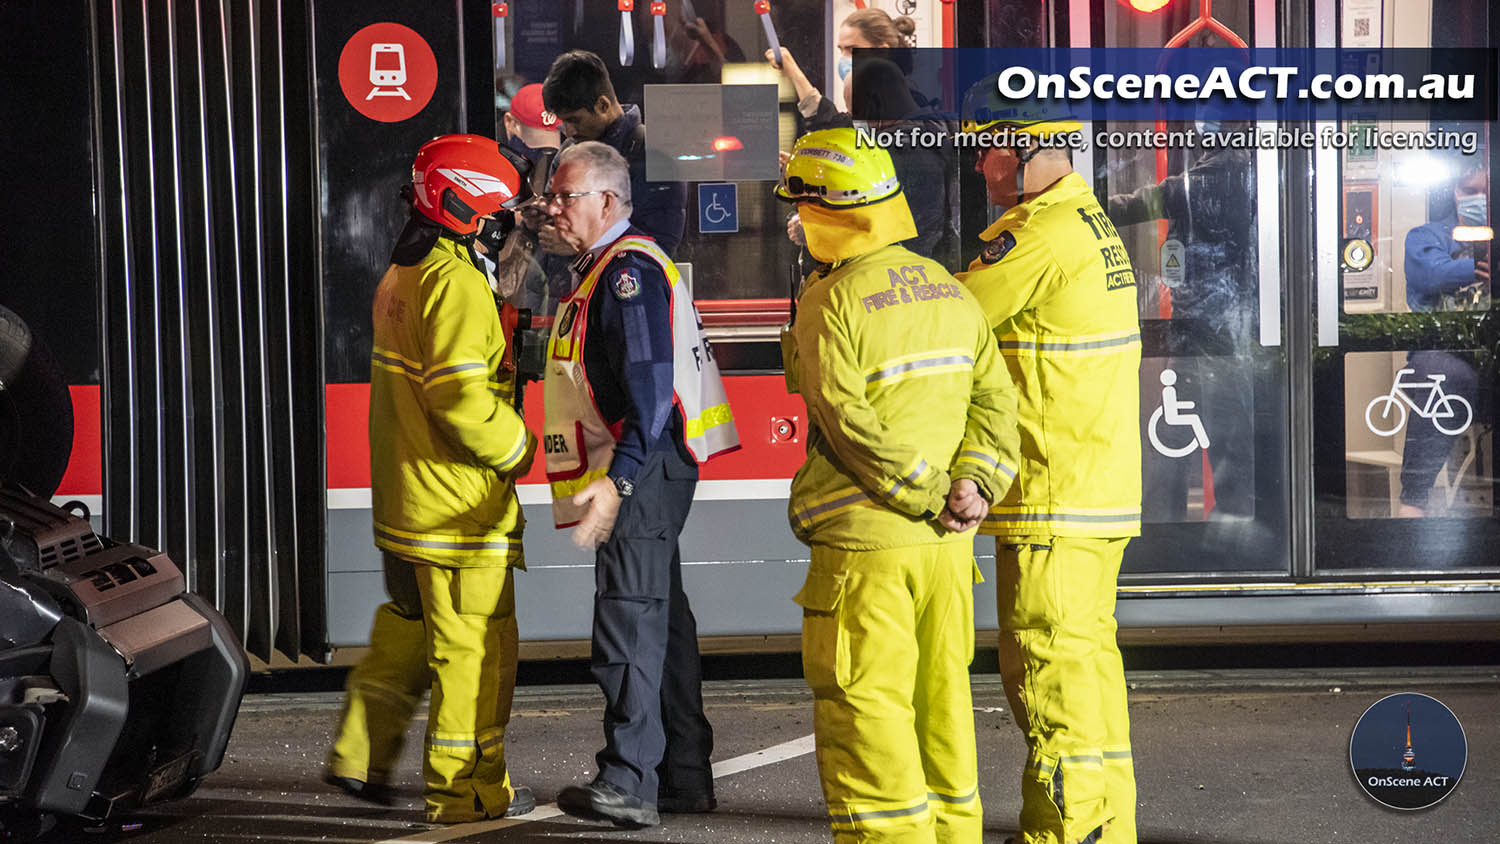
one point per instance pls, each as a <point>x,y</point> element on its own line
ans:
<point>718,209</point>
<point>1174,413</point>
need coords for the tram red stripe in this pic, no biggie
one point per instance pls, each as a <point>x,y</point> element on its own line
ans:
<point>759,401</point>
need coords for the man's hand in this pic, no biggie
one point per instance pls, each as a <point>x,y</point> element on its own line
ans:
<point>1481,270</point>
<point>598,522</point>
<point>794,230</point>
<point>966,508</point>
<point>553,243</point>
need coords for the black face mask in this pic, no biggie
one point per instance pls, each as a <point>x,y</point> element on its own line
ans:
<point>523,148</point>
<point>492,232</point>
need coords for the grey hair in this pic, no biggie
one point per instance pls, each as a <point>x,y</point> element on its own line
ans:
<point>605,165</point>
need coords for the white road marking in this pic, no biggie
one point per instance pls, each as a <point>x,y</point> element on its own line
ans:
<point>769,756</point>
<point>729,767</point>
<point>546,811</point>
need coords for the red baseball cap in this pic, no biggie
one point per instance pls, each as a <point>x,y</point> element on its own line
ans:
<point>526,106</point>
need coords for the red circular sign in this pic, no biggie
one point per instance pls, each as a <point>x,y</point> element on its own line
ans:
<point>388,72</point>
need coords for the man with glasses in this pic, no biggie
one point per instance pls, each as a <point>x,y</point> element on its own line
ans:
<point>579,92</point>
<point>634,402</point>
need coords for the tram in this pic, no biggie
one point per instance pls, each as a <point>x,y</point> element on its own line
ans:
<point>205,198</point>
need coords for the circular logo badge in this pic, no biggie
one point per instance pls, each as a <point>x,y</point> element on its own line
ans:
<point>1408,751</point>
<point>387,72</point>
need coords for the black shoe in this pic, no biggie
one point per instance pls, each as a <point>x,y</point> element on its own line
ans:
<point>522,803</point>
<point>371,792</point>
<point>685,802</point>
<point>604,801</point>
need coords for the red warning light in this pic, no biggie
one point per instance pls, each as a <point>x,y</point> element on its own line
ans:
<point>1148,5</point>
<point>726,143</point>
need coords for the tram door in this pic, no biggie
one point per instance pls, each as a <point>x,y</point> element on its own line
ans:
<point>1203,230</point>
<point>1406,340</point>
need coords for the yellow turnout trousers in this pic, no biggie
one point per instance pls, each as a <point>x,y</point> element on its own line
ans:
<point>887,638</point>
<point>453,630</point>
<point>1062,673</point>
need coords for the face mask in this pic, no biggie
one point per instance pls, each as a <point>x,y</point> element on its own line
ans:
<point>845,66</point>
<point>522,147</point>
<point>1473,209</point>
<point>1207,127</point>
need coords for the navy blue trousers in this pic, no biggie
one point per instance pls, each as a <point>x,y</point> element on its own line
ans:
<point>645,643</point>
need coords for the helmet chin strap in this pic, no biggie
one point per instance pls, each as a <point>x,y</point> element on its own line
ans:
<point>1023,156</point>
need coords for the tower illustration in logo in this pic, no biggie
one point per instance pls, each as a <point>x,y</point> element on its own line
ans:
<point>1389,773</point>
<point>1409,758</point>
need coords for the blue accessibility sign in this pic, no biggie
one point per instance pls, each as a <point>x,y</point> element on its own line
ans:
<point>718,208</point>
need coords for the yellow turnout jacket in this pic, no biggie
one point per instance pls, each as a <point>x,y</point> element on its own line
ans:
<point>906,391</point>
<point>445,444</point>
<point>1057,288</point>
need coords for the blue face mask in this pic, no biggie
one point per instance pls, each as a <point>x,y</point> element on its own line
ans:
<point>845,66</point>
<point>1473,209</point>
<point>1208,127</point>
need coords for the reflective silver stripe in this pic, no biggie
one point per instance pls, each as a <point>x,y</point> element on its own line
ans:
<point>1007,471</point>
<point>443,742</point>
<point>950,360</point>
<point>447,545</point>
<point>1117,754</point>
<point>435,374</point>
<point>883,813</point>
<point>1085,759</point>
<point>981,456</point>
<point>809,513</point>
<point>1080,346</point>
<point>1045,769</point>
<point>1061,517</point>
<point>910,478</point>
<point>944,798</point>
<point>392,360</point>
<point>516,454</point>
<point>492,741</point>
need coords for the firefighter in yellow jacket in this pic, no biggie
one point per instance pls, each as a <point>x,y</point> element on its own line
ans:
<point>1056,285</point>
<point>445,449</point>
<point>913,433</point>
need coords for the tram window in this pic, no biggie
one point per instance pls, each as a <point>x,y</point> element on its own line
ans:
<point>1187,216</point>
<point>708,42</point>
<point>1416,443</point>
<point>1419,376</point>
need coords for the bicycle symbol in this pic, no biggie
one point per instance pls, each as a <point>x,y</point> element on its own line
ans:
<point>1438,407</point>
<point>1173,412</point>
<point>715,213</point>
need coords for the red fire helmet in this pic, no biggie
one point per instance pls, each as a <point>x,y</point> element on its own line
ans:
<point>457,179</point>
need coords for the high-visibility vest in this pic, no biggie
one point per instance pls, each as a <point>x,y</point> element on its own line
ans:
<point>579,444</point>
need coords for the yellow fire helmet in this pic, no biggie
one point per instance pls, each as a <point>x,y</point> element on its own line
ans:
<point>984,110</point>
<point>829,168</point>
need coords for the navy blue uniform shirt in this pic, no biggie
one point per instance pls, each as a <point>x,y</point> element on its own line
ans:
<point>628,357</point>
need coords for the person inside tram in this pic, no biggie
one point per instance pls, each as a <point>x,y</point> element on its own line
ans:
<point>634,403</point>
<point>704,48</point>
<point>913,433</point>
<point>530,128</point>
<point>519,263</point>
<point>1209,207</point>
<point>863,28</point>
<point>578,90</point>
<point>880,95</point>
<point>1442,274</point>
<point>1050,270</point>
<point>445,452</point>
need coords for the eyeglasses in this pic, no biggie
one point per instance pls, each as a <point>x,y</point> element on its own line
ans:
<point>567,199</point>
